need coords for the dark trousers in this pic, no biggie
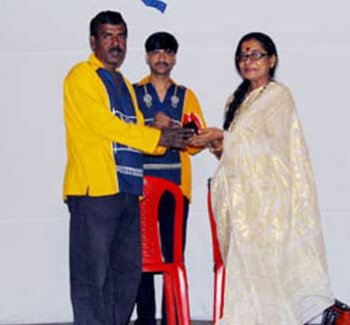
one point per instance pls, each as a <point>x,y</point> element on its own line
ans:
<point>146,305</point>
<point>105,258</point>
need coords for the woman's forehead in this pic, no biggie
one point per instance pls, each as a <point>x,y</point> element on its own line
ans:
<point>251,44</point>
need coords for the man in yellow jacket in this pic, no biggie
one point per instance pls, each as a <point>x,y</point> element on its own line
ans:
<point>103,179</point>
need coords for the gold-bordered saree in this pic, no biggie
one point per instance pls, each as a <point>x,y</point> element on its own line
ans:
<point>265,202</point>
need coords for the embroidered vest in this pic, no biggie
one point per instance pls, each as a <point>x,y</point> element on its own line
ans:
<point>167,166</point>
<point>129,162</point>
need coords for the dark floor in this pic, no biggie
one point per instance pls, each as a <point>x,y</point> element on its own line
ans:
<point>194,322</point>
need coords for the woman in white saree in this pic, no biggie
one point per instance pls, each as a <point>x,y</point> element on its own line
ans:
<point>264,200</point>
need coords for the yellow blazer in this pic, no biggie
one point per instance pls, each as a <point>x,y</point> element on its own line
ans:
<point>91,128</point>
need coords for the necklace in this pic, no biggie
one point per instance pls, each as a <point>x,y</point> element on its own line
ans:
<point>148,99</point>
<point>252,97</point>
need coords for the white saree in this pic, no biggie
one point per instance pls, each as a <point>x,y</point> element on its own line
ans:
<point>264,200</point>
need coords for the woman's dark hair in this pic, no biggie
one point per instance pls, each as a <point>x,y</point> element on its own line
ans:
<point>106,17</point>
<point>243,89</point>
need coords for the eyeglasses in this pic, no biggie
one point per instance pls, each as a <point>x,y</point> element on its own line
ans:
<point>254,56</point>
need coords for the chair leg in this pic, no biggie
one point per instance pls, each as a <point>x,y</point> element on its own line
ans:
<point>219,293</point>
<point>181,295</point>
<point>169,292</point>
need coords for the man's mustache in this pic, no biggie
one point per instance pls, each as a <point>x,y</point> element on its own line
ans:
<point>162,63</point>
<point>115,49</point>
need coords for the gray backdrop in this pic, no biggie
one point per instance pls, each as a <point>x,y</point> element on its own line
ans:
<point>41,39</point>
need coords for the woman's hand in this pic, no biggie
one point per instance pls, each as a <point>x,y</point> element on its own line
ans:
<point>207,137</point>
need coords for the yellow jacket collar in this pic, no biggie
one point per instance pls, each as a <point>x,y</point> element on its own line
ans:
<point>94,61</point>
<point>147,80</point>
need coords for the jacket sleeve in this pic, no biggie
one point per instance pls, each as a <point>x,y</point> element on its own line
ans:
<point>86,103</point>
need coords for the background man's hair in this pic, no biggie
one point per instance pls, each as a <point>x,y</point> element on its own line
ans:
<point>161,41</point>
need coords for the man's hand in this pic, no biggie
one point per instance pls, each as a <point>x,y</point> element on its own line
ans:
<point>162,121</point>
<point>175,138</point>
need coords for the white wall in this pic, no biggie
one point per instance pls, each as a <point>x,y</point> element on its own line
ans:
<point>41,39</point>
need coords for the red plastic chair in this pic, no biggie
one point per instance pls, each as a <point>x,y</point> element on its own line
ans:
<point>219,268</point>
<point>174,273</point>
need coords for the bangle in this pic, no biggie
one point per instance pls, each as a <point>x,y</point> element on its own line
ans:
<point>212,149</point>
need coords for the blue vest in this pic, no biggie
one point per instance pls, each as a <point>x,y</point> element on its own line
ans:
<point>167,166</point>
<point>129,162</point>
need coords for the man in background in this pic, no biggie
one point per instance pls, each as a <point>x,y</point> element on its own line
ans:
<point>104,177</point>
<point>164,104</point>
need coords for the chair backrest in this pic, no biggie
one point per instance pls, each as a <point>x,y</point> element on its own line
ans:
<point>154,188</point>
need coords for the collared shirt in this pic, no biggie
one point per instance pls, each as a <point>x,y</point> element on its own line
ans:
<point>175,165</point>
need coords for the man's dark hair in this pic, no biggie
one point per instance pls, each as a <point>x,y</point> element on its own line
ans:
<point>106,17</point>
<point>161,41</point>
